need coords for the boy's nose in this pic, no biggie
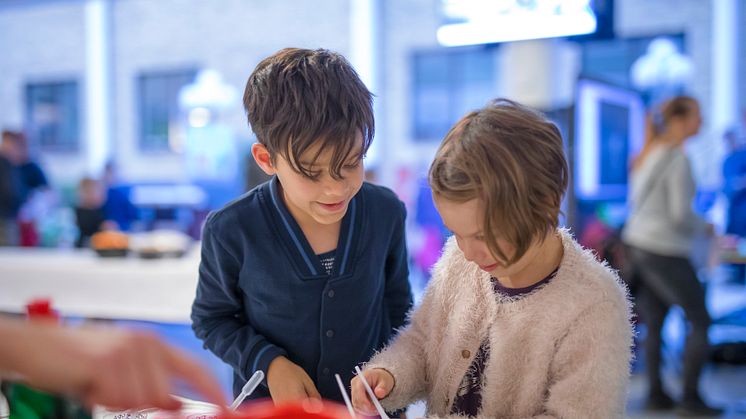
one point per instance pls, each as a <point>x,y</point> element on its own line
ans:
<point>334,187</point>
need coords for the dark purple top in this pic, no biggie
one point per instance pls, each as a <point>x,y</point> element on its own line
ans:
<point>469,397</point>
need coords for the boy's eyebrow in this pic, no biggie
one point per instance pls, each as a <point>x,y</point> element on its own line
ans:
<point>353,156</point>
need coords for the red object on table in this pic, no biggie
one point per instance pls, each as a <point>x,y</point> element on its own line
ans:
<point>41,309</point>
<point>307,409</point>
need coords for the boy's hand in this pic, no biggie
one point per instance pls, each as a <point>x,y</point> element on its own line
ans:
<point>380,380</point>
<point>288,382</point>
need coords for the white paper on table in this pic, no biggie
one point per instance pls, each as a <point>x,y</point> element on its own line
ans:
<point>190,409</point>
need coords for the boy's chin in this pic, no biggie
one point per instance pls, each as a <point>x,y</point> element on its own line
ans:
<point>328,219</point>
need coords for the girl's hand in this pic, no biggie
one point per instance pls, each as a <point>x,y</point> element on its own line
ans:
<point>380,380</point>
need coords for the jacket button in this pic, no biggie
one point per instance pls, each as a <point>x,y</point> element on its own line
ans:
<point>329,333</point>
<point>465,353</point>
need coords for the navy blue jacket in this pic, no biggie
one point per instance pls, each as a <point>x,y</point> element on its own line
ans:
<point>263,293</point>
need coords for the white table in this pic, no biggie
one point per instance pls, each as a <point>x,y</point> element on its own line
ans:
<point>80,283</point>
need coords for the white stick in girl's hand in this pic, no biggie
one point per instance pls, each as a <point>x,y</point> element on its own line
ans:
<point>345,396</point>
<point>372,395</point>
<point>247,389</point>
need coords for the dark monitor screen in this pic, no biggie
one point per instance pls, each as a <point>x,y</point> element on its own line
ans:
<point>609,130</point>
<point>614,135</point>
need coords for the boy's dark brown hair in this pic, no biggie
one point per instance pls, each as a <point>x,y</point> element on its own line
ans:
<point>512,158</point>
<point>298,98</point>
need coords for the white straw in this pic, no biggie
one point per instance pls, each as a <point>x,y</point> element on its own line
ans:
<point>345,396</point>
<point>247,389</point>
<point>372,395</point>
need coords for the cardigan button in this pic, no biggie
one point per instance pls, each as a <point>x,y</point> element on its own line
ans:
<point>465,353</point>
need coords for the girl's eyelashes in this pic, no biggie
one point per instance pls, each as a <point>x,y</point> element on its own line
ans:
<point>314,176</point>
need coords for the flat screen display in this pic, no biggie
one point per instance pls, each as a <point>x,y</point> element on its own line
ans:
<point>469,22</point>
<point>609,131</point>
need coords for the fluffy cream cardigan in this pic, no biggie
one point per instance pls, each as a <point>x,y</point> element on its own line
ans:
<point>562,351</point>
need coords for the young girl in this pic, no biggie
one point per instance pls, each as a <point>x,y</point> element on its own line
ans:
<point>659,234</point>
<point>518,320</point>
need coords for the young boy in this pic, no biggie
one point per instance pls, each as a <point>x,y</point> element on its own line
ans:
<point>89,212</point>
<point>306,275</point>
<point>518,320</point>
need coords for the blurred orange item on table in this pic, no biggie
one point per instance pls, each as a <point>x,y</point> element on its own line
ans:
<point>110,240</point>
<point>110,243</point>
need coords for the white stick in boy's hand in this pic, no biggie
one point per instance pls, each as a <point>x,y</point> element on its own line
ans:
<point>247,389</point>
<point>381,380</point>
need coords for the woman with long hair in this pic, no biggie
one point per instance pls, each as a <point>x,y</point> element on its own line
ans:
<point>659,234</point>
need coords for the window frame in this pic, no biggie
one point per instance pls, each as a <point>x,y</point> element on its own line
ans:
<point>173,111</point>
<point>72,145</point>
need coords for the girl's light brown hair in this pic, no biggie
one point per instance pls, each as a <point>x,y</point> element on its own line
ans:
<point>658,120</point>
<point>511,158</point>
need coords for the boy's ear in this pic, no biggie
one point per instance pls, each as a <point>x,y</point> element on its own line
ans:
<point>263,158</point>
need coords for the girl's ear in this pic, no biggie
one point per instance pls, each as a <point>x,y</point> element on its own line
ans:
<point>263,158</point>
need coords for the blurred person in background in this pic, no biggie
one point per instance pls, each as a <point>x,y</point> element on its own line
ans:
<point>89,212</point>
<point>659,234</point>
<point>734,187</point>
<point>31,175</point>
<point>9,202</point>
<point>31,181</point>
<point>118,207</point>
